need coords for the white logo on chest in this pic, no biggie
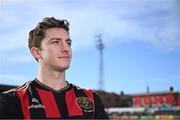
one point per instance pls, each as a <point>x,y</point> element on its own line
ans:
<point>36,104</point>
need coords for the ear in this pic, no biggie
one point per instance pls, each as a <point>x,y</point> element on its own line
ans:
<point>35,52</point>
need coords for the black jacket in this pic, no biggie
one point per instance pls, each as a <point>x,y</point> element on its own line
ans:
<point>34,100</point>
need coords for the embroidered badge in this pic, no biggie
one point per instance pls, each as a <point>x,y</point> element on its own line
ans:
<point>85,104</point>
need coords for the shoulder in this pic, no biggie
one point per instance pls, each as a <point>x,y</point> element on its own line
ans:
<point>8,101</point>
<point>10,104</point>
<point>8,95</point>
<point>94,98</point>
<point>89,92</point>
<point>11,94</point>
<point>79,88</point>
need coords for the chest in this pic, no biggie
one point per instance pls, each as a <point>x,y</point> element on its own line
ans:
<point>68,105</point>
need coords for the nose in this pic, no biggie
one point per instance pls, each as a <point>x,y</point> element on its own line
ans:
<point>65,48</point>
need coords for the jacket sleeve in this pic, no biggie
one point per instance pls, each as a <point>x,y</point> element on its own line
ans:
<point>9,107</point>
<point>99,108</point>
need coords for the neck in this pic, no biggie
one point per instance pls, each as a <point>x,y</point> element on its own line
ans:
<point>52,79</point>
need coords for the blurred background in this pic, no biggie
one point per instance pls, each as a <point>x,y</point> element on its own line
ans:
<point>127,48</point>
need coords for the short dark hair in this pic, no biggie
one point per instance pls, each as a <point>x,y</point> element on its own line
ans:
<point>38,33</point>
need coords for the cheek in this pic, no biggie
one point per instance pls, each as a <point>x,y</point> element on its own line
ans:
<point>70,52</point>
<point>48,53</point>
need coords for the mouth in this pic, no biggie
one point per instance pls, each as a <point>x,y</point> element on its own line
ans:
<point>67,57</point>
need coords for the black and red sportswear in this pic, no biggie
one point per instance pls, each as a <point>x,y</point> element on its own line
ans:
<point>34,100</point>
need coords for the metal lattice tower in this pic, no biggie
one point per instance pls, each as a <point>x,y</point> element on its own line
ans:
<point>100,47</point>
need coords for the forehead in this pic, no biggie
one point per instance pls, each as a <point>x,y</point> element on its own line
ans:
<point>57,33</point>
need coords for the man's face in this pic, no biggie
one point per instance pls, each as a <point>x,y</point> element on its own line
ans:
<point>56,53</point>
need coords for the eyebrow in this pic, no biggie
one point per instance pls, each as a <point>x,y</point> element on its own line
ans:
<point>59,39</point>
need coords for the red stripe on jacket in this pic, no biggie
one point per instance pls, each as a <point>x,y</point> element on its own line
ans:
<point>22,94</point>
<point>72,105</point>
<point>48,100</point>
<point>90,95</point>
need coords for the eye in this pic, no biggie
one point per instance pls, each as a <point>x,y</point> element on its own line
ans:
<point>69,42</point>
<point>55,42</point>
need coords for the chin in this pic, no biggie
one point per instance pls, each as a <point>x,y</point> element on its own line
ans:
<point>62,68</point>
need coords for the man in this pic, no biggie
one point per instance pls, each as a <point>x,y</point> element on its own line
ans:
<point>49,95</point>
